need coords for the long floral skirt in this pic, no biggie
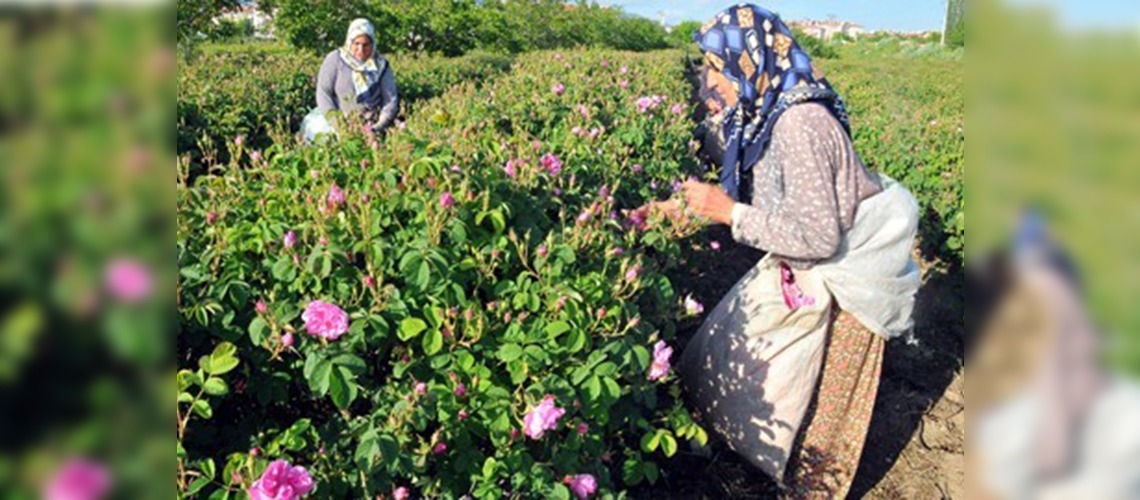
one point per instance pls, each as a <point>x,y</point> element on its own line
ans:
<point>790,389</point>
<point>831,441</point>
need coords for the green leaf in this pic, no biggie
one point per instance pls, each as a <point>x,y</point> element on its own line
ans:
<point>185,397</point>
<point>222,360</point>
<point>342,387</point>
<point>593,389</point>
<point>510,352</point>
<point>207,467</point>
<point>576,341</point>
<point>650,441</point>
<point>651,471</point>
<point>186,378</point>
<point>202,408</point>
<point>433,342</point>
<point>631,471</point>
<point>611,389</point>
<point>319,377</point>
<point>197,486</point>
<point>367,450</point>
<point>668,443</point>
<point>557,328</point>
<point>561,492</point>
<point>283,270</point>
<point>410,327</point>
<point>215,386</point>
<point>257,329</point>
<point>489,466</point>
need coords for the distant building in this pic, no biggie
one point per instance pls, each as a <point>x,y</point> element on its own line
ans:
<point>262,22</point>
<point>826,30</point>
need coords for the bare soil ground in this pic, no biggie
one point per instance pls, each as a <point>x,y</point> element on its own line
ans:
<point>916,445</point>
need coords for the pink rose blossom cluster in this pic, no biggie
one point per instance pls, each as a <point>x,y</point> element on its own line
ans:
<point>646,103</point>
<point>551,163</point>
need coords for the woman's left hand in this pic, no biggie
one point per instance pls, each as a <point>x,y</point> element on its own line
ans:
<point>708,202</point>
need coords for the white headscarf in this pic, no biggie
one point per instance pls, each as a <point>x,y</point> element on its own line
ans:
<point>364,74</point>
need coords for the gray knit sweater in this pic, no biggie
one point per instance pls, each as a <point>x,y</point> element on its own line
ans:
<point>336,92</point>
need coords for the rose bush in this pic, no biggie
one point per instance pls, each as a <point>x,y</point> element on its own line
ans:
<point>478,305</point>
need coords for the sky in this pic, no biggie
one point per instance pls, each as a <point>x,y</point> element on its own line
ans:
<point>896,15</point>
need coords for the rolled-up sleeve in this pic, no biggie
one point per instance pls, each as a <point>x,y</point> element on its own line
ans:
<point>805,224</point>
<point>326,85</point>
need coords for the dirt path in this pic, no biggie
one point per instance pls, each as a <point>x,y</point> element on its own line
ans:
<point>915,448</point>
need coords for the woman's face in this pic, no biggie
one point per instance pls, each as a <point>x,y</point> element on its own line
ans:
<point>361,48</point>
<point>717,92</point>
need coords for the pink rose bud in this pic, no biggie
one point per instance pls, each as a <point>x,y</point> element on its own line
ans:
<point>314,173</point>
<point>514,433</point>
<point>440,448</point>
<point>255,156</point>
<point>558,89</point>
<point>261,307</point>
<point>542,251</point>
<point>601,314</point>
<point>637,169</point>
<point>624,69</point>
<point>323,240</point>
<point>461,390</point>
<point>290,239</point>
<point>255,451</point>
<point>287,339</point>
<point>421,388</point>
<point>583,429</point>
<point>715,245</point>
<point>624,84</point>
<point>617,251</point>
<point>369,281</point>
<point>462,414</point>
<point>363,164</point>
<point>446,201</point>
<point>211,217</point>
<point>239,140</point>
<point>431,182</point>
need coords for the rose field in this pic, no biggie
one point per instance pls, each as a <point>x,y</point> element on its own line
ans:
<point>462,307</point>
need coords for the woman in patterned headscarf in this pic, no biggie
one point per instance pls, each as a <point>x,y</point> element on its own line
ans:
<point>354,79</point>
<point>786,368</point>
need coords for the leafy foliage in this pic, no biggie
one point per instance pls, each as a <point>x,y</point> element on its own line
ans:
<point>507,290</point>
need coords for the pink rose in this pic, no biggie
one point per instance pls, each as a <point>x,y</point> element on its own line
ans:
<point>582,485</point>
<point>325,320</point>
<point>281,482</point>
<point>400,493</point>
<point>677,109</point>
<point>78,479</point>
<point>637,168</point>
<point>287,340</point>
<point>624,69</point>
<point>576,130</point>
<point>542,251</point>
<point>624,84</point>
<point>290,239</point>
<point>261,307</point>
<point>420,389</point>
<point>440,448</point>
<point>461,390</point>
<point>336,195</point>
<point>551,163</point>
<point>369,281</point>
<point>692,306</point>
<point>462,414</point>
<point>255,156</point>
<point>583,429</point>
<point>632,273</point>
<point>583,110</point>
<point>128,280</point>
<point>643,104</point>
<point>211,217</point>
<point>446,201</point>
<point>509,168</point>
<point>660,365</point>
<point>558,89</point>
<point>715,245</point>
<point>239,140</point>
<point>542,418</point>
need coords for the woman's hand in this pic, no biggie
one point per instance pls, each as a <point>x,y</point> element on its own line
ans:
<point>708,202</point>
<point>667,208</point>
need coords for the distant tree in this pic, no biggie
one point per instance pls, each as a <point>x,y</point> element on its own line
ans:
<point>196,16</point>
<point>682,33</point>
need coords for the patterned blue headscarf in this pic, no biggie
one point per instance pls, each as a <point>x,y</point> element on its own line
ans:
<point>756,51</point>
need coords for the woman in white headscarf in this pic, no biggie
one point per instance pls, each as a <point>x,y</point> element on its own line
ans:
<point>354,79</point>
